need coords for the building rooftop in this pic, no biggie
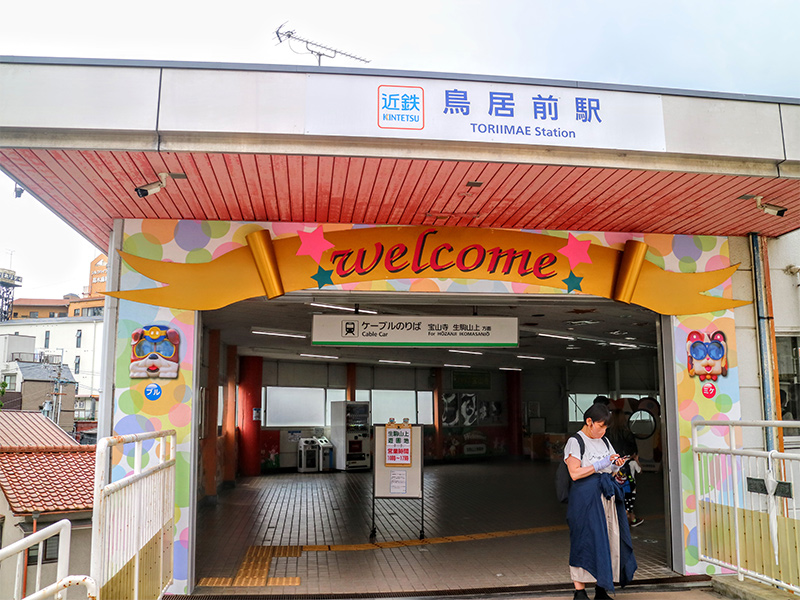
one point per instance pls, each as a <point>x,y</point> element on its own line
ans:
<point>42,302</point>
<point>48,480</point>
<point>36,371</point>
<point>20,428</point>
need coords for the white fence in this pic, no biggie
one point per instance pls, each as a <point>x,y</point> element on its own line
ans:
<point>63,529</point>
<point>747,505</point>
<point>133,521</point>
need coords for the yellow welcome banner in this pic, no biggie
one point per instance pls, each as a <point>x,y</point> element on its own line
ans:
<point>267,267</point>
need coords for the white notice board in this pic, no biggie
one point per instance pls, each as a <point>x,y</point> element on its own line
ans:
<point>396,481</point>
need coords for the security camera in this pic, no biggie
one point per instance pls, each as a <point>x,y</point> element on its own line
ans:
<point>149,189</point>
<point>157,186</point>
<point>18,190</point>
<point>771,209</point>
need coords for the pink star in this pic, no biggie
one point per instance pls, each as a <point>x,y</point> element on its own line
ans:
<point>576,251</point>
<point>313,244</point>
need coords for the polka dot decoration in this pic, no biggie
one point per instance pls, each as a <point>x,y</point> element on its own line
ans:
<point>202,241</point>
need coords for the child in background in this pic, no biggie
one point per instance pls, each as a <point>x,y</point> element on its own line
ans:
<point>626,477</point>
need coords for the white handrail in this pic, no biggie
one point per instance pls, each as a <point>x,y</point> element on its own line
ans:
<point>719,496</point>
<point>63,529</point>
<point>112,535</point>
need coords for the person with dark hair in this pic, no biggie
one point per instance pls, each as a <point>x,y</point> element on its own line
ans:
<point>600,551</point>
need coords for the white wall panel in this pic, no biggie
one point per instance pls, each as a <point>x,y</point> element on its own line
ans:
<point>78,97</point>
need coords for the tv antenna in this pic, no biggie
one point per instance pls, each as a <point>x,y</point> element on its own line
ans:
<point>318,50</point>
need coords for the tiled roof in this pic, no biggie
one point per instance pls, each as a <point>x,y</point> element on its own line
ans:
<point>36,371</point>
<point>40,302</point>
<point>30,428</point>
<point>48,480</point>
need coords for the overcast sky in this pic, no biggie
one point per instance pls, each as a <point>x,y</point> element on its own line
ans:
<point>736,46</point>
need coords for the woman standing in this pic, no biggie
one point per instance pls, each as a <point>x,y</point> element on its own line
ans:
<point>600,539</point>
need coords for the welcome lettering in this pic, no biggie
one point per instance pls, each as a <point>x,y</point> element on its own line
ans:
<point>442,258</point>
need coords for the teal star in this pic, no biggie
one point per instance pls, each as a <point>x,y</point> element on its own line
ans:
<point>573,282</point>
<point>323,277</point>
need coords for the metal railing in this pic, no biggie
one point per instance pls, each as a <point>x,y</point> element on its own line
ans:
<point>62,529</point>
<point>133,520</point>
<point>747,504</point>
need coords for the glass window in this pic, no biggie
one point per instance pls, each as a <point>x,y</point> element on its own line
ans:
<point>425,408</point>
<point>11,381</point>
<point>50,551</point>
<point>77,365</point>
<point>46,339</point>
<point>220,405</point>
<point>789,375</point>
<point>396,404</point>
<point>78,335</point>
<point>332,395</point>
<point>580,403</point>
<point>33,314</point>
<point>52,314</point>
<point>295,407</point>
<point>75,312</point>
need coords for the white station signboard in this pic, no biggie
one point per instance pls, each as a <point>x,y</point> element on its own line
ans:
<point>376,330</point>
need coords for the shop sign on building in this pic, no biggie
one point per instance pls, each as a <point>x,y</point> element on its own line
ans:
<point>441,331</point>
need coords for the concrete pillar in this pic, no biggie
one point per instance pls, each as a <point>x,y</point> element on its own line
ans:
<point>350,393</point>
<point>437,412</point>
<point>229,419</point>
<point>514,387</point>
<point>250,374</point>
<point>212,401</point>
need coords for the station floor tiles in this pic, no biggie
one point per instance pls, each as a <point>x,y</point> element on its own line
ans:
<point>488,526</point>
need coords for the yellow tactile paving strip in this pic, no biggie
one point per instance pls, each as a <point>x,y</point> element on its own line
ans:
<point>254,570</point>
<point>439,540</point>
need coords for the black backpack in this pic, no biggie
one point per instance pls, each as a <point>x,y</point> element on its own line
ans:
<point>563,479</point>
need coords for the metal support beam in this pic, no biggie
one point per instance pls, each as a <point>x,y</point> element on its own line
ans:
<point>765,332</point>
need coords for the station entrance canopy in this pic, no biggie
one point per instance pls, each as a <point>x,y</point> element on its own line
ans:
<point>326,145</point>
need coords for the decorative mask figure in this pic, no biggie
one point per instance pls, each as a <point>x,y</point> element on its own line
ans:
<point>707,359</point>
<point>154,352</point>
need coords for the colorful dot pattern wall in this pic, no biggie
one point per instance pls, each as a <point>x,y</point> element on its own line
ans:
<point>202,241</point>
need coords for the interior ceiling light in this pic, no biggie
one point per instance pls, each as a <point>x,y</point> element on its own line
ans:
<point>620,344</point>
<point>320,356</point>
<point>261,331</point>
<point>558,337</point>
<point>583,322</point>
<point>531,357</point>
<point>583,362</point>
<point>458,366</point>
<point>510,369</point>
<point>617,332</point>
<point>395,362</point>
<point>362,311</point>
<point>466,352</point>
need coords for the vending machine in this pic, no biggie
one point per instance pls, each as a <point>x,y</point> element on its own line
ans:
<point>350,435</point>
